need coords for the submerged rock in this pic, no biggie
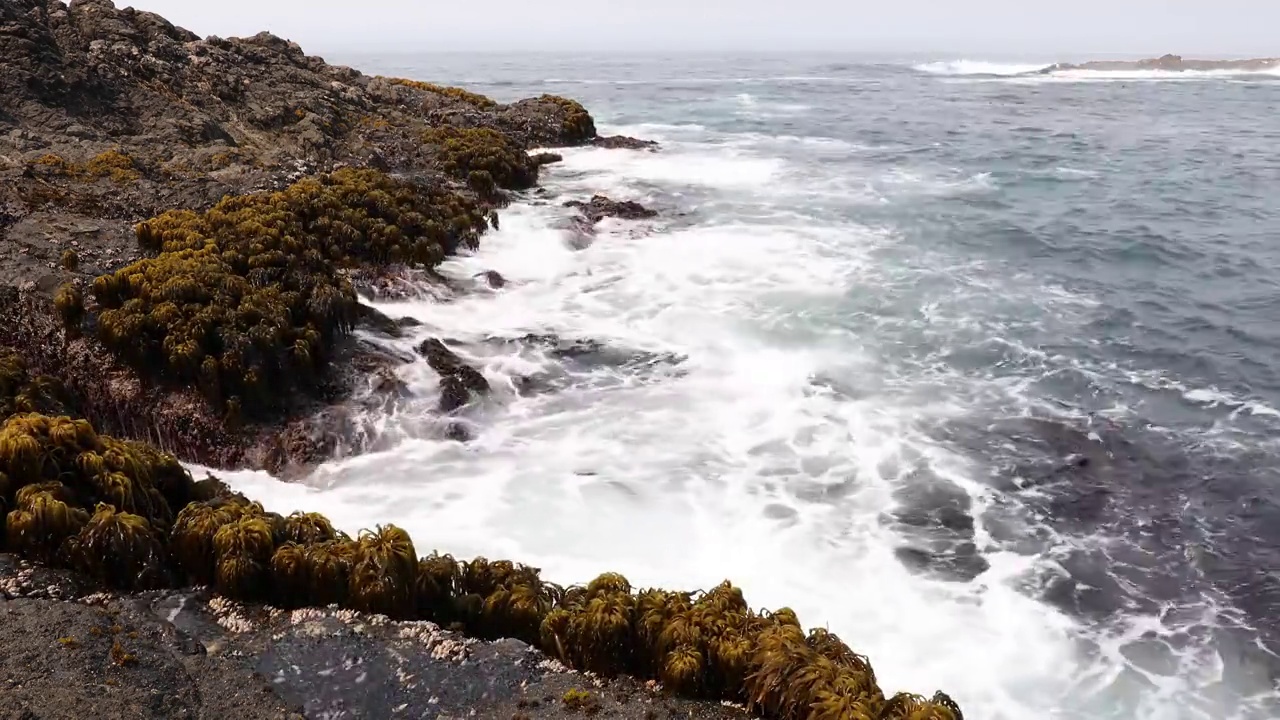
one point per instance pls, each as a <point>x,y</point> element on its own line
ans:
<point>601,207</point>
<point>934,517</point>
<point>458,381</point>
<point>582,230</point>
<point>493,278</point>
<point>583,359</point>
<point>588,352</point>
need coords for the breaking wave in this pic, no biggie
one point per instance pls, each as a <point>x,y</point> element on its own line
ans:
<point>1027,72</point>
<point>979,67</point>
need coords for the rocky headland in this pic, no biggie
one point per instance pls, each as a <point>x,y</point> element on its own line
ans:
<point>186,228</point>
<point>1170,63</point>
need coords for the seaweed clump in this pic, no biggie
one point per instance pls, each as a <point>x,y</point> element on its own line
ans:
<point>113,164</point>
<point>484,157</point>
<point>578,126</point>
<point>21,392</point>
<point>709,645</point>
<point>70,462</point>
<point>246,301</point>
<point>95,503</point>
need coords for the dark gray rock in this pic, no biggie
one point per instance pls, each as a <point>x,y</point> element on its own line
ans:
<point>622,142</point>
<point>458,381</point>
<point>187,654</point>
<point>601,207</point>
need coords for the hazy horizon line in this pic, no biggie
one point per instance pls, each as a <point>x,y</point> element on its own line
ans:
<point>942,53</point>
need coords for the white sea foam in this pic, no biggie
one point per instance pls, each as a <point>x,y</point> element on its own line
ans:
<point>734,463</point>
<point>978,71</point>
<point>979,67</point>
<point>700,477</point>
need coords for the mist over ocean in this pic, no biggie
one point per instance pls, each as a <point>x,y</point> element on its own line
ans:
<point>977,367</point>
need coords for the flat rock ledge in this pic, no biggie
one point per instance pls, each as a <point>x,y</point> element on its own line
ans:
<point>73,652</point>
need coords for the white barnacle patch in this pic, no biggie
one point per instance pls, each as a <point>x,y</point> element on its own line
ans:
<point>303,615</point>
<point>449,649</point>
<point>553,665</point>
<point>230,615</point>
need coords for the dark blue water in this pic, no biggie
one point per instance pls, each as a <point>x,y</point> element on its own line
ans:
<point>1074,286</point>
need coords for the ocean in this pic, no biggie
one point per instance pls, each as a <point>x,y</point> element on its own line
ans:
<point>978,369</point>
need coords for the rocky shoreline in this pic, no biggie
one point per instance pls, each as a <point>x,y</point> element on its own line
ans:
<point>188,226</point>
<point>188,654</point>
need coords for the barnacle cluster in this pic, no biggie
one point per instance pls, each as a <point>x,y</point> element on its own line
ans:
<point>105,507</point>
<point>245,300</point>
<point>484,157</point>
<point>454,93</point>
<point>578,125</point>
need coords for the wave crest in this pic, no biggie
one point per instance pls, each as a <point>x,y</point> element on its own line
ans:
<point>980,67</point>
<point>1118,70</point>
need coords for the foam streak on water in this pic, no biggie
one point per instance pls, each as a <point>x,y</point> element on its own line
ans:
<point>840,372</point>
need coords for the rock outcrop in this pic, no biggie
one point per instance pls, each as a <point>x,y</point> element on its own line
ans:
<point>459,382</point>
<point>1170,63</point>
<point>601,207</point>
<point>189,654</point>
<point>111,117</point>
<point>582,227</point>
<point>622,142</point>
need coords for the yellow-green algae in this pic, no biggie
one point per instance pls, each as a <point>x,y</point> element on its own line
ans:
<point>112,164</point>
<point>454,93</point>
<point>483,157</point>
<point>578,125</point>
<point>105,507</point>
<point>246,300</point>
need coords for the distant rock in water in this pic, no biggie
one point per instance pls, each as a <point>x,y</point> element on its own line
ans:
<point>622,142</point>
<point>1169,63</point>
<point>601,207</point>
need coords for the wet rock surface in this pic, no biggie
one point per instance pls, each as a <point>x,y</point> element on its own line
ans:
<point>458,381</point>
<point>589,361</point>
<point>601,207</point>
<point>493,279</point>
<point>186,654</point>
<point>622,142</point>
<point>582,227</point>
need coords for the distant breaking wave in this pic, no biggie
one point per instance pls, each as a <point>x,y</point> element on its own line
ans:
<point>980,67</point>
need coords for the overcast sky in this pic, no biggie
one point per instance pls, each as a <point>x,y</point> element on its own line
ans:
<point>978,28</point>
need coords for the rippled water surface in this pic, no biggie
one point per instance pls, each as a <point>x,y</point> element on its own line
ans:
<point>977,368</point>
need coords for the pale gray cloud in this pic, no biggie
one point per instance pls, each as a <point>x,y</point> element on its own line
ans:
<point>976,27</point>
